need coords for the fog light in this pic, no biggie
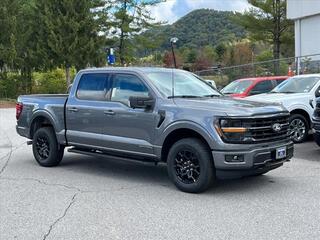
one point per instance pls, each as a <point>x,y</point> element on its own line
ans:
<point>234,158</point>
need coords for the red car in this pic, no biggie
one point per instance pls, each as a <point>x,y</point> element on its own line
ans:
<point>251,86</point>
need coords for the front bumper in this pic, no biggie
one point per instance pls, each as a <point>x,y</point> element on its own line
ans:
<point>255,161</point>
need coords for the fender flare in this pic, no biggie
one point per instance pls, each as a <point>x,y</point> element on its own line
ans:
<point>44,114</point>
<point>186,125</point>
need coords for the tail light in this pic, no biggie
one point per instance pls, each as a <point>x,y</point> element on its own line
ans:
<point>19,107</point>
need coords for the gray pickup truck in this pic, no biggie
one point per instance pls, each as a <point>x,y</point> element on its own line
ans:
<point>157,115</point>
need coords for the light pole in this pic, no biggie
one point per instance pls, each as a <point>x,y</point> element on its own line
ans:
<point>173,41</point>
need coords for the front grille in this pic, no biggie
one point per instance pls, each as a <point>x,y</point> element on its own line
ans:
<point>262,129</point>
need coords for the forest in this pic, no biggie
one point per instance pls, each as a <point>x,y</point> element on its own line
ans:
<point>43,43</point>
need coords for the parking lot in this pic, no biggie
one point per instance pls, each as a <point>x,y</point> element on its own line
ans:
<point>93,198</point>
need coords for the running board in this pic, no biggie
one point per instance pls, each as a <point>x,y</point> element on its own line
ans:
<point>98,153</point>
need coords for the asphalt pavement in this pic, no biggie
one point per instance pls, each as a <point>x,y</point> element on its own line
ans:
<point>97,198</point>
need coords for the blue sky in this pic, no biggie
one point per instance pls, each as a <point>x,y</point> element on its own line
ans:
<point>171,10</point>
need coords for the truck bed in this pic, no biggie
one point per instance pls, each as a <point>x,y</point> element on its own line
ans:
<point>52,104</point>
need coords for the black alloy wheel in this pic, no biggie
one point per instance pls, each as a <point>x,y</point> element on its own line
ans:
<point>46,149</point>
<point>190,165</point>
<point>187,166</point>
<point>43,147</point>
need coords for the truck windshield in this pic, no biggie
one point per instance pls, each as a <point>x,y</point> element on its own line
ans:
<point>296,85</point>
<point>237,87</point>
<point>186,85</point>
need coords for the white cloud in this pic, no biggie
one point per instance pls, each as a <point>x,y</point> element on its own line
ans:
<point>225,5</point>
<point>164,11</point>
<point>174,9</point>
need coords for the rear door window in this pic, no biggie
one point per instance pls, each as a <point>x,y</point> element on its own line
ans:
<point>94,86</point>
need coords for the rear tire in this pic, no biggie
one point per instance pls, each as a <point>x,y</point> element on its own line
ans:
<point>190,165</point>
<point>299,128</point>
<point>46,150</point>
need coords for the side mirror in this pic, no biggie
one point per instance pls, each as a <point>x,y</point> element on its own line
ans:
<point>317,94</point>
<point>141,102</point>
<point>211,82</point>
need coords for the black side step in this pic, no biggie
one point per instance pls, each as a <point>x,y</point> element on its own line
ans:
<point>98,153</point>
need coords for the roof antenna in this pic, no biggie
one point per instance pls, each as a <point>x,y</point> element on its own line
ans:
<point>173,41</point>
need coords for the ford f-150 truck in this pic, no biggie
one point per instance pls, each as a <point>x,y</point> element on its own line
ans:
<point>157,115</point>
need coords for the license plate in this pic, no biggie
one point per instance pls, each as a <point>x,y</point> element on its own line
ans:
<point>281,153</point>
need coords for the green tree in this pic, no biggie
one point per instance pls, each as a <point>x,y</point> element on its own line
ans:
<point>192,56</point>
<point>8,35</point>
<point>266,21</point>
<point>220,50</point>
<point>27,59</point>
<point>17,45</point>
<point>129,18</point>
<point>68,33</point>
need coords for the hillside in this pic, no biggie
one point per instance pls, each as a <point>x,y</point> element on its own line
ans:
<point>199,28</point>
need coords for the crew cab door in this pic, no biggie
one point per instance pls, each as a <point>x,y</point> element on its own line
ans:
<point>85,118</point>
<point>129,130</point>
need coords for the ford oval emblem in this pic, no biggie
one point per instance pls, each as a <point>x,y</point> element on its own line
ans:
<point>276,127</point>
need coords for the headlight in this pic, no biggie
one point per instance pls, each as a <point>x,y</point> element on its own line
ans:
<point>232,130</point>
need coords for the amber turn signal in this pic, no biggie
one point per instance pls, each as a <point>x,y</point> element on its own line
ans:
<point>233,130</point>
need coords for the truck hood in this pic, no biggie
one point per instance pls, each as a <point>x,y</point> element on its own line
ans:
<point>278,97</point>
<point>230,107</point>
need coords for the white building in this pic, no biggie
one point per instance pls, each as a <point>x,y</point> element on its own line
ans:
<point>306,14</point>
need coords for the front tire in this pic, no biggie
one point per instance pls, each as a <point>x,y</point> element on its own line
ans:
<point>190,165</point>
<point>46,150</point>
<point>299,128</point>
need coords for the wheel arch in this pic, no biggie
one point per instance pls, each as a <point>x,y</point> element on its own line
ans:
<point>40,119</point>
<point>180,131</point>
<point>303,113</point>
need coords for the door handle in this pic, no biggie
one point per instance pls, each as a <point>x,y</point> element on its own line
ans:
<point>73,109</point>
<point>109,112</point>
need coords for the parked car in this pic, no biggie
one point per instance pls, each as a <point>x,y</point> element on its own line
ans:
<point>298,94</point>
<point>136,113</point>
<point>251,86</point>
<point>316,121</point>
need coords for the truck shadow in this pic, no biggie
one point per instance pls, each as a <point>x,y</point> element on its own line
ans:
<point>151,175</point>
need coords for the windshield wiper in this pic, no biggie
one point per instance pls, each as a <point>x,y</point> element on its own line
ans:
<point>212,95</point>
<point>287,92</point>
<point>184,96</point>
